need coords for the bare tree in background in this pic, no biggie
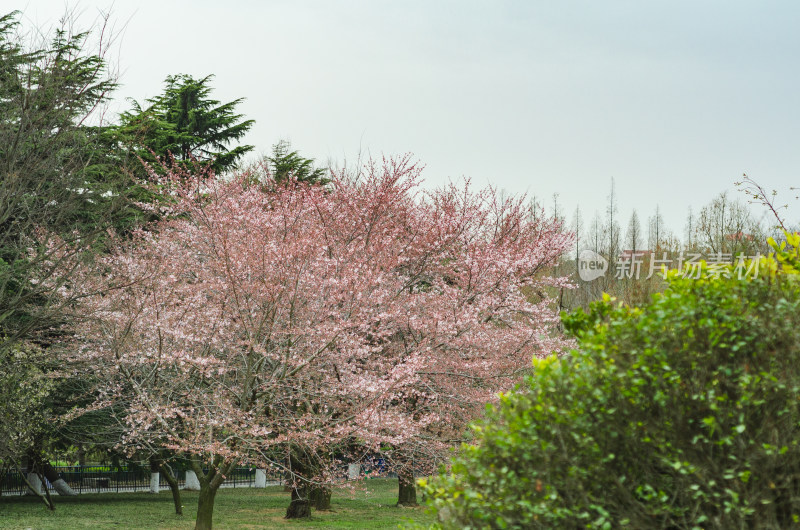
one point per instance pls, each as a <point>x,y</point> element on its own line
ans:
<point>633,237</point>
<point>656,230</point>
<point>726,226</point>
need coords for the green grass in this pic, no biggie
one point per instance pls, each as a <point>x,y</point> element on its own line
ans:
<point>371,506</point>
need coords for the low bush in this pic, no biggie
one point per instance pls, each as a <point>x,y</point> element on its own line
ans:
<point>684,413</point>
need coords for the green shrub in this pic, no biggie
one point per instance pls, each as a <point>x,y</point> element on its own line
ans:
<point>680,414</point>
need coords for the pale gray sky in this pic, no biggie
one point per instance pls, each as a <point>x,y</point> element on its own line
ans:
<point>674,99</point>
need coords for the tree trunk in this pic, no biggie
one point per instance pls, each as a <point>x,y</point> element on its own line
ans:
<point>192,483</point>
<point>173,485</point>
<point>155,479</point>
<point>209,485</point>
<point>59,484</point>
<point>47,493</point>
<point>205,507</point>
<point>300,506</point>
<point>35,480</point>
<point>407,495</point>
<point>320,497</point>
<point>35,485</point>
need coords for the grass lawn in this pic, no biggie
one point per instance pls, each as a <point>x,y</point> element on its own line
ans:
<point>372,506</point>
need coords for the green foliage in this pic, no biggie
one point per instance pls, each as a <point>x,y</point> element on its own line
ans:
<point>186,123</point>
<point>786,255</point>
<point>59,176</point>
<point>64,181</point>
<point>681,414</point>
<point>24,388</point>
<point>286,164</point>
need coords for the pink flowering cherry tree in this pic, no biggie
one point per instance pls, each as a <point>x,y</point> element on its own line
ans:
<point>480,307</point>
<point>268,323</point>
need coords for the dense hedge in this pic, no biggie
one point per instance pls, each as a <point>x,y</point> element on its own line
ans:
<point>681,414</point>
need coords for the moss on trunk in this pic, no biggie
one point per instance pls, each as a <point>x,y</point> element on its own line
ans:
<point>320,498</point>
<point>300,506</point>
<point>205,507</point>
<point>407,494</point>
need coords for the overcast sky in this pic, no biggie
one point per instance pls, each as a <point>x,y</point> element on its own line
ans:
<point>674,100</point>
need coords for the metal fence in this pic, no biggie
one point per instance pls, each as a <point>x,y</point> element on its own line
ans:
<point>102,479</point>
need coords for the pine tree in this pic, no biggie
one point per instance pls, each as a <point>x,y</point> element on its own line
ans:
<point>286,164</point>
<point>187,124</point>
<point>54,176</point>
